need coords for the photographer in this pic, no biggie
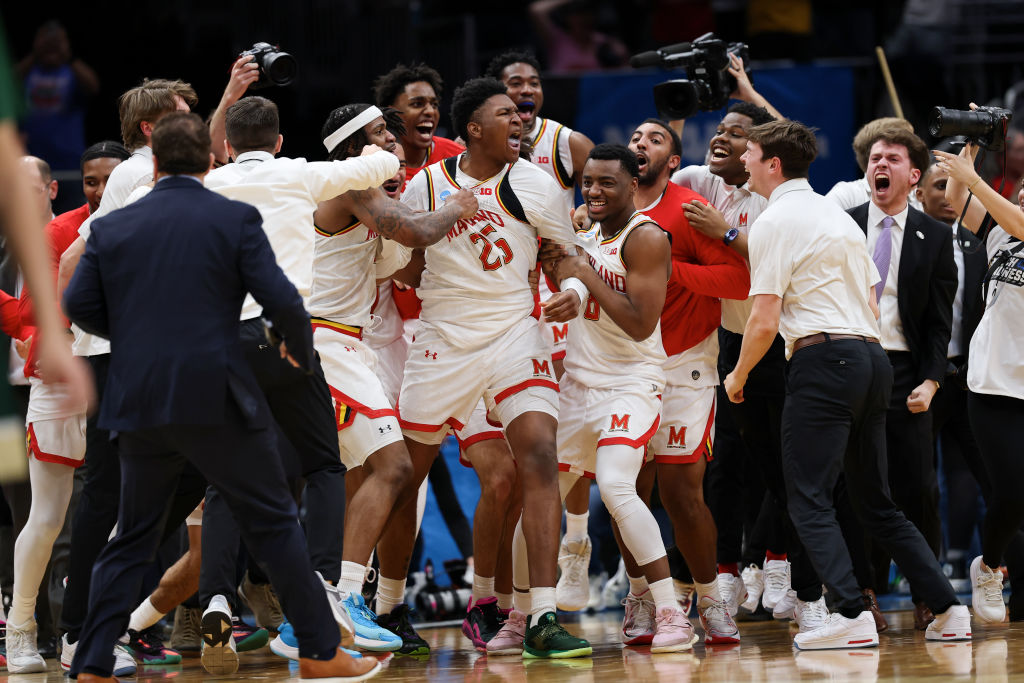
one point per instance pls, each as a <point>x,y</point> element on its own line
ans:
<point>995,377</point>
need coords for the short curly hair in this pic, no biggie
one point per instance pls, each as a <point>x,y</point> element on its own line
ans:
<point>469,97</point>
<point>354,143</point>
<point>498,64</point>
<point>388,87</point>
<point>756,114</point>
<point>868,134</point>
<point>607,151</point>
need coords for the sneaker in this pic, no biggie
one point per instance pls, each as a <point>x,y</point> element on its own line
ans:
<point>733,591</point>
<point>285,644</point>
<point>369,635</point>
<point>811,615</point>
<point>596,601</point>
<point>547,639</point>
<point>187,635</point>
<point>953,624</point>
<point>67,652</point>
<point>248,637</point>
<point>753,580</point>
<point>482,622</point>
<point>672,632</point>
<point>398,623</point>
<point>124,662</point>
<point>719,628</point>
<point>986,594</point>
<point>342,615</point>
<point>572,593</point>
<point>616,587</point>
<point>148,649</point>
<point>219,658</point>
<point>776,582</point>
<point>22,655</point>
<point>686,595</point>
<point>784,607</point>
<point>509,640</point>
<point>262,601</point>
<point>839,633</point>
<point>638,621</point>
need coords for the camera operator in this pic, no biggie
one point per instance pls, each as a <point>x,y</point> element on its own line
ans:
<point>995,378</point>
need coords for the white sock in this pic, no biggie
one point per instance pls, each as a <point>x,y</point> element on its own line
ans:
<point>664,594</point>
<point>576,525</point>
<point>390,594</point>
<point>22,610</point>
<point>351,577</point>
<point>542,601</point>
<point>144,616</point>
<point>709,590</point>
<point>483,587</point>
<point>637,586</point>
<point>504,600</point>
<point>521,600</point>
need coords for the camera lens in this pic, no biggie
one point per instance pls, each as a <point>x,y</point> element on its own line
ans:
<point>945,122</point>
<point>280,67</point>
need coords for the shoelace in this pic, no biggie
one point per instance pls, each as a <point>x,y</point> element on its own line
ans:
<point>715,612</point>
<point>992,585</point>
<point>775,579</point>
<point>642,614</point>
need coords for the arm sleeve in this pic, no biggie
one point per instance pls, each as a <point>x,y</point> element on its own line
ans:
<point>716,269</point>
<point>942,290</point>
<point>771,266</point>
<point>10,317</point>
<point>328,179</point>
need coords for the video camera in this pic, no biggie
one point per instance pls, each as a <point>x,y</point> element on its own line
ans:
<point>708,83</point>
<point>985,126</point>
<point>276,67</point>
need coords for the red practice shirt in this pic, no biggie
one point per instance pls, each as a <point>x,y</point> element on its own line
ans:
<point>704,270</point>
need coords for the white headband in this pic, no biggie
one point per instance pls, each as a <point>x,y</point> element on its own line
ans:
<point>361,119</point>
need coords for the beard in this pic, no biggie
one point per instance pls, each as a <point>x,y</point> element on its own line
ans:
<point>650,174</point>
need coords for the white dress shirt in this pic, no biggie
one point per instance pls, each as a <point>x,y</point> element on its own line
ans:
<point>892,327</point>
<point>811,253</point>
<point>286,192</point>
<point>956,335</point>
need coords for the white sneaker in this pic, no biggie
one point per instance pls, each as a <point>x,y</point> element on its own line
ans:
<point>67,652</point>
<point>22,654</point>
<point>810,615</point>
<point>220,657</point>
<point>753,579</point>
<point>776,582</point>
<point>840,633</point>
<point>987,593</point>
<point>335,599</point>
<point>572,593</point>
<point>596,601</point>
<point>638,619</point>
<point>953,624</point>
<point>686,594</point>
<point>617,587</point>
<point>785,606</point>
<point>124,661</point>
<point>733,592</point>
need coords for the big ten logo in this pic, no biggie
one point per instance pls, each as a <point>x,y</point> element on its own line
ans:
<point>542,160</point>
<point>541,367</point>
<point>483,190</point>
<point>677,437</point>
<point>619,423</point>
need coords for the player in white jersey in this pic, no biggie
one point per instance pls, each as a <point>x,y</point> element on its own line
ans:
<point>611,391</point>
<point>359,242</point>
<point>477,337</point>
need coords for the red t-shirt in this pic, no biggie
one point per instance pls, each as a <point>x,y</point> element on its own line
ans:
<point>440,148</point>
<point>704,270</point>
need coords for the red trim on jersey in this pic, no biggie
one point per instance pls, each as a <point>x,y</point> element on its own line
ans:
<point>704,450</point>
<point>357,407</point>
<point>558,355</point>
<point>475,439</point>
<point>638,442</point>
<point>440,148</point>
<point>420,427</point>
<point>515,389</point>
<point>564,467</point>
<point>33,449</point>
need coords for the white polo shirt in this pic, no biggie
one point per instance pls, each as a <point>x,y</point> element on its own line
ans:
<point>740,207</point>
<point>811,253</point>
<point>892,338</point>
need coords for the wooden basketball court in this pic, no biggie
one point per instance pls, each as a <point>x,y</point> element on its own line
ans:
<point>766,653</point>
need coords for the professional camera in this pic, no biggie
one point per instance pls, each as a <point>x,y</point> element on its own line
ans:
<point>708,83</point>
<point>985,126</point>
<point>276,67</point>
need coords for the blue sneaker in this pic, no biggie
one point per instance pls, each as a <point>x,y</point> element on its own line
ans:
<point>369,634</point>
<point>287,645</point>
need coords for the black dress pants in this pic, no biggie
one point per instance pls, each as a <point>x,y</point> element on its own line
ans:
<point>244,466</point>
<point>838,393</point>
<point>302,408</point>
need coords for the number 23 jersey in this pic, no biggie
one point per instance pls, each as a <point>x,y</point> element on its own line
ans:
<point>475,285</point>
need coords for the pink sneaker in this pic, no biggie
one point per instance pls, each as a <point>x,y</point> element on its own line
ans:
<point>638,622</point>
<point>672,632</point>
<point>509,640</point>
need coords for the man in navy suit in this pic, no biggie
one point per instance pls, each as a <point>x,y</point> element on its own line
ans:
<point>914,256</point>
<point>164,280</point>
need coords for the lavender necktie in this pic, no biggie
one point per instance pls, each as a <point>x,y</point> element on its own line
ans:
<point>883,253</point>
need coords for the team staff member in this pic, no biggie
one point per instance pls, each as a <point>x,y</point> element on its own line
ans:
<point>812,280</point>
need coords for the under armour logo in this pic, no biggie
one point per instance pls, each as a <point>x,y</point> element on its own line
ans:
<point>384,429</point>
<point>428,354</point>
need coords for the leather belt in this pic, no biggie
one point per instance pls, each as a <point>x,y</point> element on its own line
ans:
<point>813,339</point>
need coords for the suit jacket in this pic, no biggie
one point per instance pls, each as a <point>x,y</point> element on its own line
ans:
<point>975,267</point>
<point>924,290</point>
<point>164,279</point>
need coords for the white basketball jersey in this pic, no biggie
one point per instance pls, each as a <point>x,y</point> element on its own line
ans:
<point>598,353</point>
<point>474,287</point>
<point>550,143</point>
<point>344,276</point>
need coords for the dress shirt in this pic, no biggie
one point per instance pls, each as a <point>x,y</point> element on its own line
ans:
<point>955,337</point>
<point>892,326</point>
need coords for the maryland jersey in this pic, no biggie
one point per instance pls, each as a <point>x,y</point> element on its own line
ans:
<point>599,354</point>
<point>346,265</point>
<point>475,286</point>
<point>550,143</point>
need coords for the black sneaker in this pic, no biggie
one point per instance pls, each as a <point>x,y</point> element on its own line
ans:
<point>398,623</point>
<point>482,622</point>
<point>147,648</point>
<point>548,639</point>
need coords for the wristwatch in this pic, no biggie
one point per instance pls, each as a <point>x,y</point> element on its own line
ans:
<point>730,235</point>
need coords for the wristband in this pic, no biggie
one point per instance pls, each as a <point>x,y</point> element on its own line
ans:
<point>576,285</point>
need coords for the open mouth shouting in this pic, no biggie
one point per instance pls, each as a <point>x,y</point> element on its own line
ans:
<point>515,141</point>
<point>425,130</point>
<point>642,161</point>
<point>392,188</point>
<point>882,182</point>
<point>720,153</point>
<point>527,108</point>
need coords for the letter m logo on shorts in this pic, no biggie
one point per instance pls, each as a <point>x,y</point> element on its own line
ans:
<point>619,423</point>
<point>677,438</point>
<point>541,367</point>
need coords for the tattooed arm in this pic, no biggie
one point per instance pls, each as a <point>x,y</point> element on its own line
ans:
<point>399,222</point>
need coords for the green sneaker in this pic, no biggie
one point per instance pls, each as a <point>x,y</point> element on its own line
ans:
<point>549,639</point>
